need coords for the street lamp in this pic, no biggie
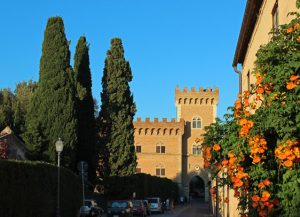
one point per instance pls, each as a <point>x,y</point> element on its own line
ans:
<point>59,145</point>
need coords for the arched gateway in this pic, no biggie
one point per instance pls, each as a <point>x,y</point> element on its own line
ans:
<point>197,187</point>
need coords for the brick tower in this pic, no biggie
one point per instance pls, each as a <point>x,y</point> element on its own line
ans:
<point>172,149</point>
<point>198,108</point>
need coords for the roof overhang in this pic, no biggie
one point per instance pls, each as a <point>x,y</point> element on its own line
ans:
<point>250,17</point>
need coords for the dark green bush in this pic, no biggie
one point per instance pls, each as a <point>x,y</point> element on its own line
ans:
<point>143,185</point>
<point>29,189</point>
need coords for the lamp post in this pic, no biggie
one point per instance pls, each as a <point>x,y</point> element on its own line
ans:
<point>59,145</point>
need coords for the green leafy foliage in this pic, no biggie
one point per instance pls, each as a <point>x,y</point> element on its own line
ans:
<point>6,108</point>
<point>85,107</point>
<point>51,113</point>
<point>23,93</point>
<point>116,115</point>
<point>144,185</point>
<point>30,189</point>
<point>260,149</point>
<point>14,106</point>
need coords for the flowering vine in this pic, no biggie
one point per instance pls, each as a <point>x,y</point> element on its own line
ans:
<point>258,145</point>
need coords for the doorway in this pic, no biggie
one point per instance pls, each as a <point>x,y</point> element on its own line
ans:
<point>197,188</point>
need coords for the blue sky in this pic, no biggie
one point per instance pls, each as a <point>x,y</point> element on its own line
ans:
<point>169,43</point>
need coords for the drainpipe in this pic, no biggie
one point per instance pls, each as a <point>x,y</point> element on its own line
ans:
<point>240,78</point>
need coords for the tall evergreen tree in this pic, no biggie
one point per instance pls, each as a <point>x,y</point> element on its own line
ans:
<point>85,106</point>
<point>7,99</point>
<point>51,111</point>
<point>116,115</point>
<point>23,93</point>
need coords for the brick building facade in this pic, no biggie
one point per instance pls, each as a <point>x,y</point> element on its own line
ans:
<point>172,149</point>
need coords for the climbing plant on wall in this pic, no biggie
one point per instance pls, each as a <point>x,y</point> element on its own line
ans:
<point>259,148</point>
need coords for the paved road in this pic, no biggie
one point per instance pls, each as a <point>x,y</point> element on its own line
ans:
<point>196,209</point>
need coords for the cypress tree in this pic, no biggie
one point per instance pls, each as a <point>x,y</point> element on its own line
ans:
<point>85,107</point>
<point>51,111</point>
<point>116,115</point>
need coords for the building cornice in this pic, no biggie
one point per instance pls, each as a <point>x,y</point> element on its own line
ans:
<point>250,17</point>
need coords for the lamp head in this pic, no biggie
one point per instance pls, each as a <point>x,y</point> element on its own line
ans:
<point>59,145</point>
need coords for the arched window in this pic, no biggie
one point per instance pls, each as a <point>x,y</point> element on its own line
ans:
<point>160,170</point>
<point>196,149</point>
<point>196,122</point>
<point>160,148</point>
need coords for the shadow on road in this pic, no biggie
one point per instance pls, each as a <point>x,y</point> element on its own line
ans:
<point>197,208</point>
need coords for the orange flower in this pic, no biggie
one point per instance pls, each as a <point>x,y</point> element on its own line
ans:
<point>257,74</point>
<point>258,80</point>
<point>291,157</point>
<point>294,77</point>
<point>265,196</point>
<point>208,149</point>
<point>225,162</point>
<point>235,179</point>
<point>262,213</point>
<point>246,93</point>
<point>256,138</point>
<point>246,102</point>
<point>238,104</point>
<point>298,39</point>
<point>230,154</point>
<point>255,198</point>
<point>260,90</point>
<point>288,163</point>
<point>258,97</point>
<point>261,185</point>
<point>270,206</point>
<point>243,121</point>
<point>238,184</point>
<point>296,26</point>
<point>216,147</point>
<point>256,159</point>
<point>250,124</point>
<point>254,204</point>
<point>281,156</point>
<point>296,151</point>
<point>206,164</point>
<point>267,182</point>
<point>241,174</point>
<point>247,113</point>
<point>290,85</point>
<point>290,29</point>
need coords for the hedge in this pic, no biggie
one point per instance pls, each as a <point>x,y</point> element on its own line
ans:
<point>144,185</point>
<point>29,189</point>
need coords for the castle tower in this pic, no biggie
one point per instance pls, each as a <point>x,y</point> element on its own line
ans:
<point>202,102</point>
<point>198,108</point>
<point>172,149</point>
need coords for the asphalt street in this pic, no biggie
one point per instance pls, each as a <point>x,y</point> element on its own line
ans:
<point>196,209</point>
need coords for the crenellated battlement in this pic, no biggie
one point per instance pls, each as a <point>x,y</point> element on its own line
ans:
<point>158,128</point>
<point>156,120</point>
<point>201,96</point>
